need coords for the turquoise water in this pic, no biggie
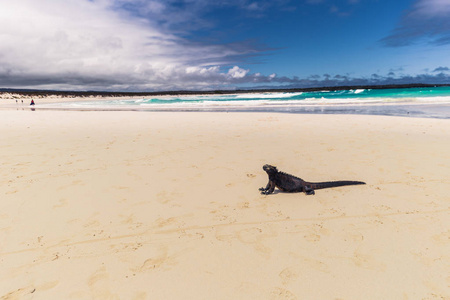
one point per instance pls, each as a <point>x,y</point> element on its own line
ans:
<point>357,94</point>
<point>434,102</point>
<point>254,99</point>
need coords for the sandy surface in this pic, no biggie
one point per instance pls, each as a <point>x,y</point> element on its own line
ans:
<point>142,205</point>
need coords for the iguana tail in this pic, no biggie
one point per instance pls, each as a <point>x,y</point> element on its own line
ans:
<point>330,184</point>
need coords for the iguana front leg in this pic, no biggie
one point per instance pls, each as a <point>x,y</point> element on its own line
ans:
<point>266,188</point>
<point>270,187</point>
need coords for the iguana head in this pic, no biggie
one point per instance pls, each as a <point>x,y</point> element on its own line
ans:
<point>270,169</point>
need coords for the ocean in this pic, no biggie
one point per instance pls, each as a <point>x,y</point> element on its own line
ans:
<point>434,102</point>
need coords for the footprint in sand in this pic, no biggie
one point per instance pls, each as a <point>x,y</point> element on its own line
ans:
<point>308,262</point>
<point>92,223</point>
<point>367,262</point>
<point>165,197</point>
<point>280,293</point>
<point>255,237</point>
<point>316,231</point>
<point>159,259</point>
<point>161,222</point>
<point>288,274</point>
<point>244,205</point>
<point>99,284</point>
<point>442,238</point>
<point>61,203</point>
<point>354,236</point>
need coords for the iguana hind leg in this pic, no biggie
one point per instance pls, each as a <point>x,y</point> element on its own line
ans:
<point>309,191</point>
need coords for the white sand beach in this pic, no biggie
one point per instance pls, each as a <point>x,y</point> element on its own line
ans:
<point>165,205</point>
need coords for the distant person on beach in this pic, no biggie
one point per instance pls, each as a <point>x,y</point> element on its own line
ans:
<point>32,102</point>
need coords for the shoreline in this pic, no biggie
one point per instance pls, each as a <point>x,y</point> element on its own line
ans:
<point>400,108</point>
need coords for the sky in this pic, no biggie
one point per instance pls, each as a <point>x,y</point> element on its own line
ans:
<point>162,45</point>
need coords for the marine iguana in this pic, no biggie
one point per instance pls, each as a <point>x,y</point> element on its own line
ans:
<point>291,184</point>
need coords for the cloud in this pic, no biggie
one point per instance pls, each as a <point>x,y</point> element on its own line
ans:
<point>327,80</point>
<point>188,15</point>
<point>237,72</point>
<point>441,69</point>
<point>426,20</point>
<point>105,44</point>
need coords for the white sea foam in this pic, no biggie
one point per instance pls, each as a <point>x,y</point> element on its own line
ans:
<point>267,95</point>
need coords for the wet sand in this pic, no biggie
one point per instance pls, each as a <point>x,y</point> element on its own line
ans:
<point>145,205</point>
